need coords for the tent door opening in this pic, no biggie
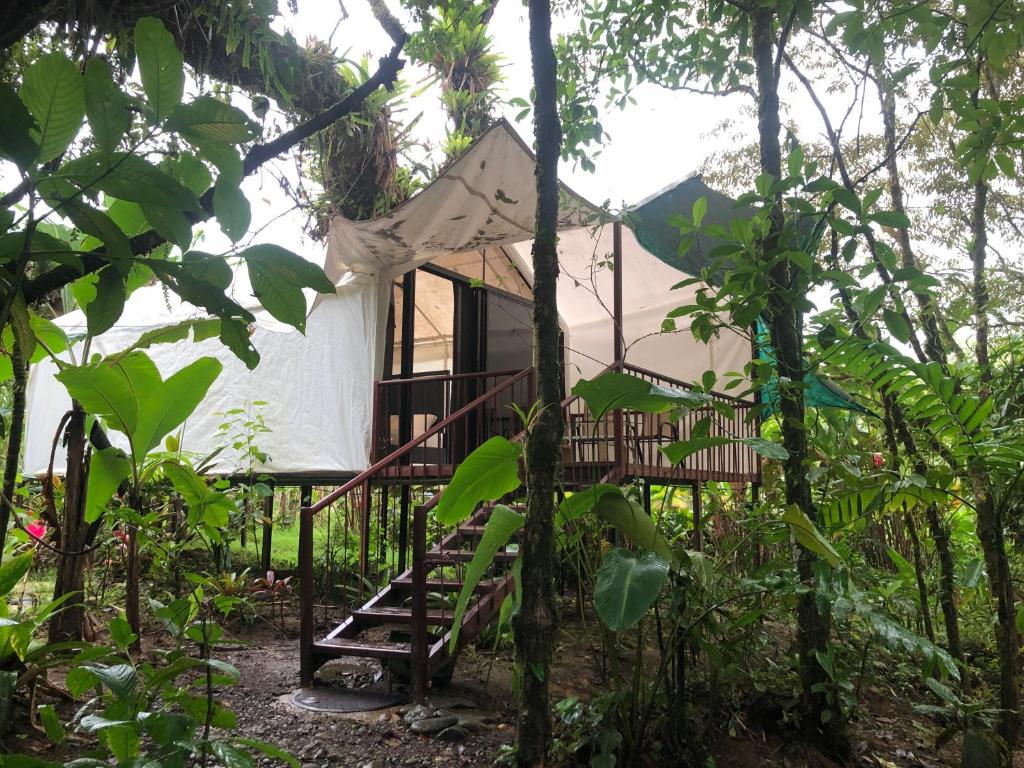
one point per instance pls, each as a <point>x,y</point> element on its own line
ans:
<point>450,339</point>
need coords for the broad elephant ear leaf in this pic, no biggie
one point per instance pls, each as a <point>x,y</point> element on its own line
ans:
<point>12,571</point>
<point>627,585</point>
<point>108,468</point>
<point>502,523</point>
<point>487,474</point>
<point>612,391</point>
<point>170,404</point>
<point>630,519</point>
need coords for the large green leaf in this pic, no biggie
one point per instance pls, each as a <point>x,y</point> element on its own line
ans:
<point>580,503</point>
<point>502,523</point>
<point>108,468</point>
<point>16,129</point>
<point>200,330</point>
<point>113,390</point>
<point>160,64</point>
<point>52,91</point>
<point>205,505</point>
<point>807,533</point>
<point>234,215</point>
<point>129,177</point>
<point>487,474</point>
<point>46,332</point>
<point>106,105</point>
<point>102,392</point>
<point>105,309</point>
<point>612,391</point>
<point>678,451</point>
<point>209,120</point>
<point>287,266</point>
<point>174,401</point>
<point>12,571</point>
<point>630,519</point>
<point>627,585</point>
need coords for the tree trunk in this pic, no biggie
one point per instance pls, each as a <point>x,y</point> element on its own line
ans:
<point>535,624</point>
<point>990,534</point>
<point>922,588</point>
<point>17,426</point>
<point>69,622</point>
<point>988,516</point>
<point>930,319</point>
<point>785,322</point>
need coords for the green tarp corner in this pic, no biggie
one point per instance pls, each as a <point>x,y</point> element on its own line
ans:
<point>649,221</point>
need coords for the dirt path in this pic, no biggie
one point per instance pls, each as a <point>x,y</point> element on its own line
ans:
<point>262,702</point>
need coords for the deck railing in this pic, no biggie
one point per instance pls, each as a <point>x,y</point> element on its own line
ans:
<point>457,413</point>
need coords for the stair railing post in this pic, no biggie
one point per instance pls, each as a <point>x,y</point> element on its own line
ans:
<point>418,659</point>
<point>306,668</point>
<point>365,503</point>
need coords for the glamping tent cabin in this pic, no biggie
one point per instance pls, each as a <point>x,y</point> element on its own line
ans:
<point>417,359</point>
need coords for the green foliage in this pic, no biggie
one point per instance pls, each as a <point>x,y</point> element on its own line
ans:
<point>487,474</point>
<point>149,202</point>
<point>627,585</point>
<point>500,527</point>
<point>612,390</point>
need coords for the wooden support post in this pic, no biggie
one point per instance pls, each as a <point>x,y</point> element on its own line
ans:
<point>306,627</point>
<point>418,659</point>
<point>268,530</point>
<point>698,521</point>
<point>365,505</point>
<point>647,497</point>
<point>617,346</point>
<point>403,526</point>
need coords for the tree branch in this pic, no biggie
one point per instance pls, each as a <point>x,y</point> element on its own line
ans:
<point>385,76</point>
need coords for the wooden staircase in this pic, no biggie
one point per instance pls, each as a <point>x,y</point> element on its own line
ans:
<point>408,624</point>
<point>430,580</point>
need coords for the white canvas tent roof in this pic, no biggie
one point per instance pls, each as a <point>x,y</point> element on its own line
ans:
<point>319,387</point>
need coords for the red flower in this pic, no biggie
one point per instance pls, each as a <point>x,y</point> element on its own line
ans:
<point>36,529</point>
<point>878,460</point>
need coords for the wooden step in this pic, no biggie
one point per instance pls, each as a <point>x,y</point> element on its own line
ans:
<point>465,555</point>
<point>394,614</point>
<point>477,531</point>
<point>335,647</point>
<point>446,585</point>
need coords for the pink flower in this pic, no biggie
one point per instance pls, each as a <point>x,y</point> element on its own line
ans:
<point>878,460</point>
<point>36,529</point>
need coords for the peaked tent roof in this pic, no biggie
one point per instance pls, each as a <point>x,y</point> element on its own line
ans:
<point>484,199</point>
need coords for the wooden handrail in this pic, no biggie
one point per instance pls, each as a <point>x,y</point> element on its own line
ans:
<point>398,453</point>
<point>449,377</point>
<point>682,384</point>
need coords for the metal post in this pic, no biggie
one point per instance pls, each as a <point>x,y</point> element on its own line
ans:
<point>418,659</point>
<point>268,529</point>
<point>698,522</point>
<point>365,504</point>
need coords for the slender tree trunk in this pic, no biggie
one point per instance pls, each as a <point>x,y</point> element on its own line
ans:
<point>69,622</point>
<point>891,407</point>
<point>922,587</point>
<point>14,437</point>
<point>937,528</point>
<point>989,519</point>
<point>979,245</point>
<point>535,624</point>
<point>822,721</point>
<point>930,318</point>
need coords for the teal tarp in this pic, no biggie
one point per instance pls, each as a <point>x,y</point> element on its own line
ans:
<point>649,220</point>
